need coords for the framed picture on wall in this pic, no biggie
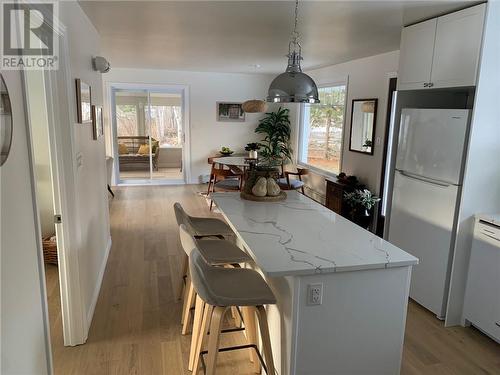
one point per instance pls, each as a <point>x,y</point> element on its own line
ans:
<point>97,122</point>
<point>83,102</point>
<point>230,112</point>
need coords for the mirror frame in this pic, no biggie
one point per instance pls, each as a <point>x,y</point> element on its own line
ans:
<point>375,100</point>
<point>8,145</point>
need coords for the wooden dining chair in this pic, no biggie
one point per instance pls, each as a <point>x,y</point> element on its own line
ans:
<point>287,183</point>
<point>223,179</point>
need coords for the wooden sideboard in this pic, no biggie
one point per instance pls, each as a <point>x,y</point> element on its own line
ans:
<point>335,196</point>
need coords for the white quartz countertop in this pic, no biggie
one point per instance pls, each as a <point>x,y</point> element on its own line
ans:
<point>298,236</point>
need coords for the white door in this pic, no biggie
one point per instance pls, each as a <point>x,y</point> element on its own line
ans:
<point>431,143</point>
<point>421,223</point>
<point>415,56</point>
<point>24,323</point>
<point>458,44</point>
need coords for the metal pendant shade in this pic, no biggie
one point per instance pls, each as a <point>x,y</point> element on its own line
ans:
<point>293,86</point>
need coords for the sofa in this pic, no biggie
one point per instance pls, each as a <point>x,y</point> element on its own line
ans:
<point>132,156</point>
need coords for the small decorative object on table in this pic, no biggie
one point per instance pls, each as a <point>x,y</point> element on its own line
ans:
<point>226,151</point>
<point>261,185</point>
<point>252,149</point>
<point>361,203</point>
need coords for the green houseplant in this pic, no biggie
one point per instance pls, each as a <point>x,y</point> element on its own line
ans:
<point>275,147</point>
<point>361,202</point>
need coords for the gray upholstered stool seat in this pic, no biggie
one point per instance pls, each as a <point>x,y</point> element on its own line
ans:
<point>201,226</point>
<point>220,252</point>
<point>228,286</point>
<point>208,226</point>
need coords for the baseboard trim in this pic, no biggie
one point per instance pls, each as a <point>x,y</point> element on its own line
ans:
<point>95,295</point>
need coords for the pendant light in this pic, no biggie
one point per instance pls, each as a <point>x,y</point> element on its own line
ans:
<point>254,106</point>
<point>293,86</point>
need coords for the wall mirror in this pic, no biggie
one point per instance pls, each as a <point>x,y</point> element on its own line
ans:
<point>5,122</point>
<point>363,119</point>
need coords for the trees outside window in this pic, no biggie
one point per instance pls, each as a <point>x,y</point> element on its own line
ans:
<point>320,140</point>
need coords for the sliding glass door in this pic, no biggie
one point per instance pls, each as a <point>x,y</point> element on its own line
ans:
<point>148,135</point>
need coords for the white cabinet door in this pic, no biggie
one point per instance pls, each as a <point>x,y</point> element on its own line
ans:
<point>457,48</point>
<point>415,57</point>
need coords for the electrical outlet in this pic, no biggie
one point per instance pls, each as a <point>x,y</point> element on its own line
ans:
<point>315,294</point>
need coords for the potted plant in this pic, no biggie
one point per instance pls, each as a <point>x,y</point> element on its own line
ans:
<point>275,147</point>
<point>252,149</point>
<point>361,202</point>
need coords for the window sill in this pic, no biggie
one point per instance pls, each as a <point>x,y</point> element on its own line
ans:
<point>318,171</point>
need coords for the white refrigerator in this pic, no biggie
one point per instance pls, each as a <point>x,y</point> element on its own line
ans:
<point>427,181</point>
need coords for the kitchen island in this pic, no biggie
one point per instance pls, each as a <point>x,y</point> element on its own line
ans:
<point>342,292</point>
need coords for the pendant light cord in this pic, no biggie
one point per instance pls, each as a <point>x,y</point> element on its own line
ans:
<point>295,33</point>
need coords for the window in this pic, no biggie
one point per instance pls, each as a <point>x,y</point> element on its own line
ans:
<point>166,124</point>
<point>320,140</point>
<point>126,120</point>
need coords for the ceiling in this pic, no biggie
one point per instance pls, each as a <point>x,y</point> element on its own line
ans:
<point>250,36</point>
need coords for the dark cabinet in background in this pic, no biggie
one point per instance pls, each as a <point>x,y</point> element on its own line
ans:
<point>335,197</point>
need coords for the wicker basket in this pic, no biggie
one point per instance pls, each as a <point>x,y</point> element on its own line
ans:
<point>49,250</point>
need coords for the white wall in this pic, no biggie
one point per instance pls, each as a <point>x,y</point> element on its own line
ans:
<point>92,202</point>
<point>481,186</point>
<point>205,89</point>
<point>367,78</point>
<point>25,346</point>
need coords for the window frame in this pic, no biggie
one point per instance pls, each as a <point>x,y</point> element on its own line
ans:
<point>301,138</point>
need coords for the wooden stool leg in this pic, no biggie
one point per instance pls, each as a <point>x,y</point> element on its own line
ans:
<point>251,335</point>
<point>214,338</point>
<point>203,332</point>
<point>266,339</point>
<point>198,315</point>
<point>187,306</point>
<point>185,271</point>
<point>236,316</point>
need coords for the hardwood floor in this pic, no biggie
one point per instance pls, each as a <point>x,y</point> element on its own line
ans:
<point>136,327</point>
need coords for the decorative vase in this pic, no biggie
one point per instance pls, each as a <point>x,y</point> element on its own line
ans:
<point>252,154</point>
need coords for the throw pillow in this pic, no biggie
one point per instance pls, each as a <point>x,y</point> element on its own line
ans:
<point>122,149</point>
<point>143,150</point>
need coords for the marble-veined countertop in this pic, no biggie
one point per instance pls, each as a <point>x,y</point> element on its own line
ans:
<point>299,236</point>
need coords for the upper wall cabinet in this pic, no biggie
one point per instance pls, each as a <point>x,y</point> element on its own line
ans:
<point>443,51</point>
<point>415,57</point>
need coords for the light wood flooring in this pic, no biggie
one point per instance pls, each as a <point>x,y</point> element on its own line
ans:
<point>160,174</point>
<point>136,326</point>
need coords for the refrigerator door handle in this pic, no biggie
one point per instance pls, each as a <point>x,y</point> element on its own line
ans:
<point>425,179</point>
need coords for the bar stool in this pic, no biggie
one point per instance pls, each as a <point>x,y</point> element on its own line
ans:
<point>218,290</point>
<point>202,226</point>
<point>216,253</point>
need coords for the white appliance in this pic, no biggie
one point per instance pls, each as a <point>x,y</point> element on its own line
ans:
<point>427,182</point>
<point>482,297</point>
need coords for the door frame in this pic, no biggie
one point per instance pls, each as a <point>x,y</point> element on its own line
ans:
<point>183,90</point>
<point>60,110</point>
